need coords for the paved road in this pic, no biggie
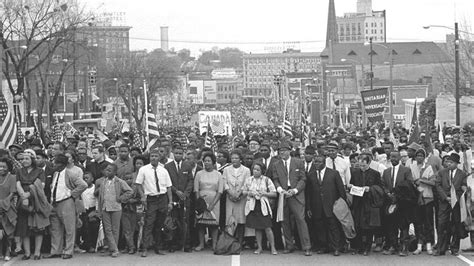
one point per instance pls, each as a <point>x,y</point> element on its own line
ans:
<point>248,258</point>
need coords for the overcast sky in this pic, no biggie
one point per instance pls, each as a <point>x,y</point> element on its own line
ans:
<point>203,24</point>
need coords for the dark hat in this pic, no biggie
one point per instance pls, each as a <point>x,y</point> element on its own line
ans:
<point>41,153</point>
<point>18,146</point>
<point>285,145</point>
<point>414,146</point>
<point>61,159</point>
<point>332,146</point>
<point>309,150</point>
<point>36,142</point>
<point>455,158</point>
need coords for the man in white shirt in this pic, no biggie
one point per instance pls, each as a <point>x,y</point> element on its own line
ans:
<point>335,162</point>
<point>153,179</point>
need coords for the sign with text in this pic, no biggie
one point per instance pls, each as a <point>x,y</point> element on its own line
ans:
<point>374,103</point>
<point>220,122</point>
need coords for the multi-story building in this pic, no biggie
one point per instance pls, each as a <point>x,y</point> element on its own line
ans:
<point>229,85</point>
<point>113,39</point>
<point>359,27</point>
<point>260,71</point>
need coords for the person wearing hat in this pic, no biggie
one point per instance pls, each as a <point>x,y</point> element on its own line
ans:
<point>337,162</point>
<point>411,149</point>
<point>395,180</point>
<point>451,182</point>
<point>289,177</point>
<point>65,190</point>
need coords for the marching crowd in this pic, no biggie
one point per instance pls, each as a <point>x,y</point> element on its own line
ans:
<point>344,193</point>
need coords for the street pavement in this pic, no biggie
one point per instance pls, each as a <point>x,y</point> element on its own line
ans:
<point>248,258</point>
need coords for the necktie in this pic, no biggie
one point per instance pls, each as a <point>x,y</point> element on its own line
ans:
<point>179,166</point>
<point>320,178</point>
<point>393,177</point>
<point>454,198</point>
<point>156,180</point>
<point>307,167</point>
<point>286,166</point>
<point>55,188</point>
<point>334,164</point>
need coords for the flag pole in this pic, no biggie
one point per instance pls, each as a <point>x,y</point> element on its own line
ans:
<point>147,137</point>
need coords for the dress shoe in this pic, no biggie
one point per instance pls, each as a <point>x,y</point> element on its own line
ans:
<point>36,257</point>
<point>403,253</point>
<point>25,257</point>
<point>143,255</point>
<point>274,252</point>
<point>336,253</point>
<point>132,251</point>
<point>171,250</point>
<point>320,251</point>
<point>52,256</point>
<point>390,251</point>
<point>114,254</point>
<point>454,252</point>
<point>308,252</point>
<point>91,250</point>
<point>188,250</point>
<point>438,253</point>
<point>67,256</point>
<point>378,248</point>
<point>288,251</point>
<point>365,253</point>
<point>158,252</point>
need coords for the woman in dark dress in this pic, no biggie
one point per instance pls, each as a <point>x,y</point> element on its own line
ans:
<point>27,176</point>
<point>366,209</point>
<point>258,189</point>
<point>7,209</point>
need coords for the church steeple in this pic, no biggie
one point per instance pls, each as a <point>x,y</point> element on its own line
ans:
<point>331,33</point>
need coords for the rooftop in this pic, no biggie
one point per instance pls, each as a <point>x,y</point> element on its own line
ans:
<point>403,53</point>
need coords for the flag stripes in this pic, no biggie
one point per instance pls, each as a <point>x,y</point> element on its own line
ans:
<point>8,127</point>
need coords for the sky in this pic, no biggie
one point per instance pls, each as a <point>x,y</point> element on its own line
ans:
<point>256,25</point>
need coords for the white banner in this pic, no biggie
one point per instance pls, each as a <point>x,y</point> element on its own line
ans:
<point>220,122</point>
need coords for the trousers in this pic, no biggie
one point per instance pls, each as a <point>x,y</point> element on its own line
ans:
<point>63,227</point>
<point>111,221</point>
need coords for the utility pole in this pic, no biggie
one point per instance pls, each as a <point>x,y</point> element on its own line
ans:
<point>456,62</point>
<point>390,98</point>
<point>371,66</point>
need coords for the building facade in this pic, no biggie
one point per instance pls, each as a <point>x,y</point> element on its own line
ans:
<point>359,27</point>
<point>114,40</point>
<point>260,72</point>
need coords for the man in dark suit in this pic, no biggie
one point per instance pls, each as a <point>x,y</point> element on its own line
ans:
<point>324,186</point>
<point>182,179</point>
<point>190,159</point>
<point>289,179</point>
<point>451,182</point>
<point>395,180</point>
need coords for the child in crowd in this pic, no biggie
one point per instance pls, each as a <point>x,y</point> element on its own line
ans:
<point>129,215</point>
<point>90,218</point>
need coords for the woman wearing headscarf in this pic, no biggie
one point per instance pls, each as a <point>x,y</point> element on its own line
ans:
<point>32,217</point>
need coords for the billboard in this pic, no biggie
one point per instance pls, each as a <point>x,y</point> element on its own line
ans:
<point>220,121</point>
<point>374,103</point>
<point>210,91</point>
<point>196,91</point>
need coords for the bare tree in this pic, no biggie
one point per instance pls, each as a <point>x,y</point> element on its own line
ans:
<point>41,27</point>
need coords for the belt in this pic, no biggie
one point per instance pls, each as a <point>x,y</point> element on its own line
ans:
<point>154,196</point>
<point>59,201</point>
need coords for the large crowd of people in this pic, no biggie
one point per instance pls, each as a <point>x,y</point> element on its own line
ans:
<point>347,192</point>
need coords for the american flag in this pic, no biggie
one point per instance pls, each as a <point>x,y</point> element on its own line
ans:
<point>57,131</point>
<point>414,130</point>
<point>210,140</point>
<point>305,138</point>
<point>137,138</point>
<point>287,130</point>
<point>151,123</point>
<point>8,127</point>
<point>218,127</point>
<point>20,137</point>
